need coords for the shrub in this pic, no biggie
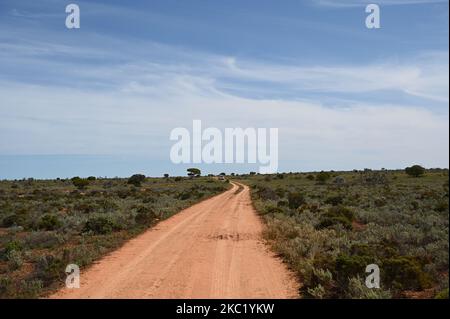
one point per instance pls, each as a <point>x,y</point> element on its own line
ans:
<point>12,220</point>
<point>91,178</point>
<point>348,266</point>
<point>266,193</point>
<point>80,183</point>
<point>136,180</point>
<point>337,215</point>
<point>295,200</point>
<point>380,202</point>
<point>184,195</point>
<point>310,177</point>
<point>50,268</point>
<point>43,239</point>
<point>144,216</point>
<point>441,206</point>
<point>12,245</point>
<point>415,171</point>
<point>358,290</point>
<point>442,294</point>
<point>282,203</point>
<point>334,200</point>
<point>84,208</point>
<point>273,210</point>
<point>49,222</point>
<point>99,225</point>
<point>322,177</point>
<point>15,260</point>
<point>405,273</point>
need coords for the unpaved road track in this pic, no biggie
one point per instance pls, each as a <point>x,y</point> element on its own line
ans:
<point>213,249</point>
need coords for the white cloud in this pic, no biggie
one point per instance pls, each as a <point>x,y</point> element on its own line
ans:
<point>141,100</point>
<point>50,120</point>
<point>425,76</point>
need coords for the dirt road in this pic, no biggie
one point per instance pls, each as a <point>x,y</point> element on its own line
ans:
<point>213,249</point>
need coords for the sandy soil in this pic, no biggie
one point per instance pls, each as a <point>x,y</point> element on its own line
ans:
<point>213,249</point>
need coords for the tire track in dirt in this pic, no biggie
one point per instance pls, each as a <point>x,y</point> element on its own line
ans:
<point>213,249</point>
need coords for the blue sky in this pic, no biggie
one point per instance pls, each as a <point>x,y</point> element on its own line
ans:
<point>104,98</point>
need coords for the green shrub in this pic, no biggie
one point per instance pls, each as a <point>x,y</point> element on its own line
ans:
<point>348,266</point>
<point>282,203</point>
<point>358,290</point>
<point>337,215</point>
<point>15,260</point>
<point>415,171</point>
<point>14,220</point>
<point>49,222</point>
<point>100,225</point>
<point>184,195</point>
<point>50,268</point>
<point>266,193</point>
<point>12,245</point>
<point>405,273</point>
<point>273,210</point>
<point>334,200</point>
<point>144,216</point>
<point>322,177</point>
<point>295,200</point>
<point>80,183</point>
<point>442,206</point>
<point>85,208</point>
<point>136,180</point>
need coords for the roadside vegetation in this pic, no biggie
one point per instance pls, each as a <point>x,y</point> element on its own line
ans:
<point>328,226</point>
<point>47,224</point>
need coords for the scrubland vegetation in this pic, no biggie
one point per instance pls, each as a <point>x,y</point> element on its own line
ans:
<point>328,226</point>
<point>46,225</point>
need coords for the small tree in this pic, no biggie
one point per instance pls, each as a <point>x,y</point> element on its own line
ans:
<point>136,179</point>
<point>193,172</point>
<point>166,175</point>
<point>415,171</point>
<point>80,183</point>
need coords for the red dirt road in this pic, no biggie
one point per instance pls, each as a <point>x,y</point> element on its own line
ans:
<point>213,249</point>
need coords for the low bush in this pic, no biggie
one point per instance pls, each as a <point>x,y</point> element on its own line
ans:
<point>49,222</point>
<point>337,215</point>
<point>100,225</point>
<point>295,200</point>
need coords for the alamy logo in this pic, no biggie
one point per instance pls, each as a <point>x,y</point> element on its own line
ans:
<point>373,19</point>
<point>373,279</point>
<point>236,145</point>
<point>73,19</point>
<point>73,276</point>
